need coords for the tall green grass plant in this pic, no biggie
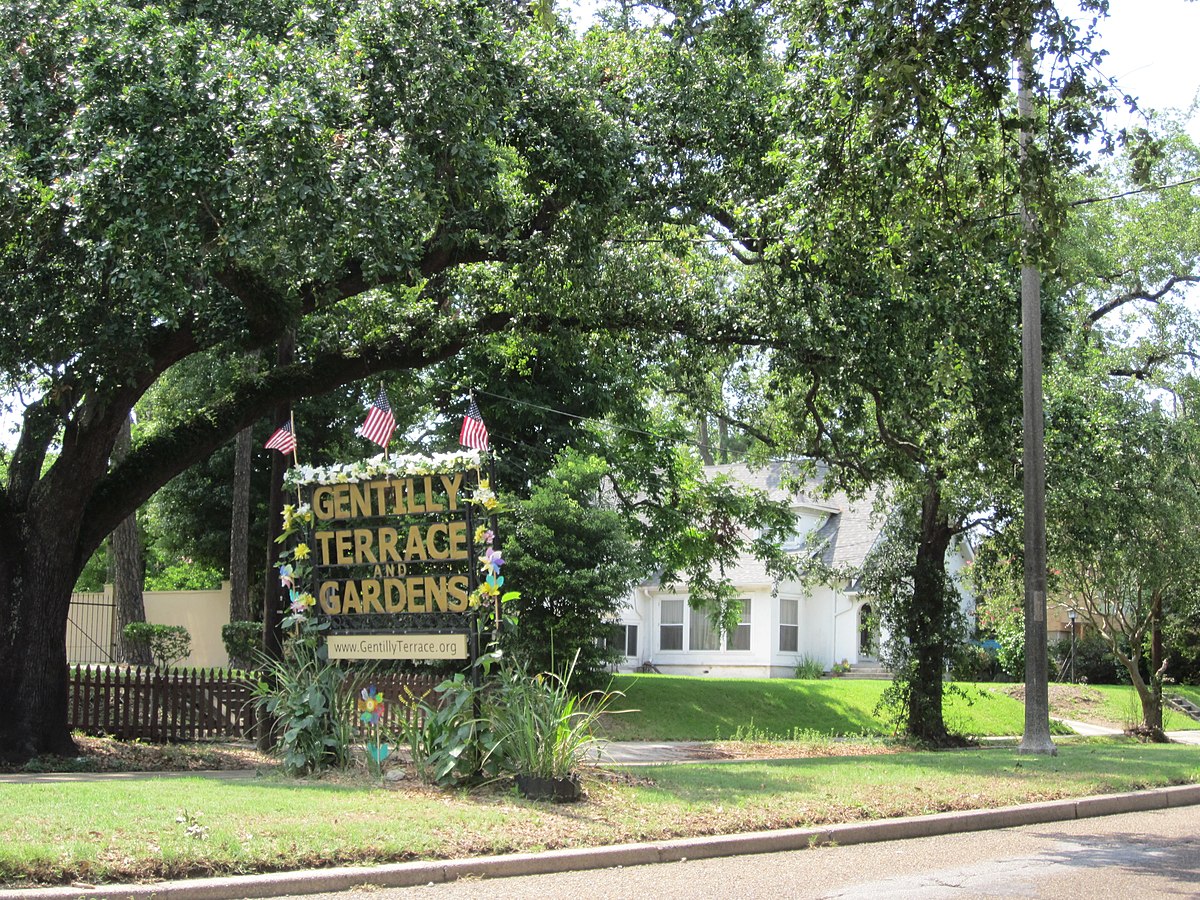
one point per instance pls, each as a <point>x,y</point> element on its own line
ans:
<point>542,728</point>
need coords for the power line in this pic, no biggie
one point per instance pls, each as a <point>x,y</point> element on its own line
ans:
<point>1152,189</point>
<point>591,419</point>
<point>1088,201</point>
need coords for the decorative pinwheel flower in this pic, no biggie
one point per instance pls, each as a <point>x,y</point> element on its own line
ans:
<point>371,706</point>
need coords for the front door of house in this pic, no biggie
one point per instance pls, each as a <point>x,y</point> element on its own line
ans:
<point>866,634</point>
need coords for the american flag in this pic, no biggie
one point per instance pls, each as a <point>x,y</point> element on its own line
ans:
<point>282,440</point>
<point>380,422</point>
<point>474,432</point>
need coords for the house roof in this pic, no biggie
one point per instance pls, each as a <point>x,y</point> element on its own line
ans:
<point>848,531</point>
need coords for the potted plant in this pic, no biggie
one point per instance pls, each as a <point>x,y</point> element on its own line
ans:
<point>543,731</point>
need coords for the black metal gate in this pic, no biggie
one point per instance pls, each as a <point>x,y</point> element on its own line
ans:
<point>91,628</point>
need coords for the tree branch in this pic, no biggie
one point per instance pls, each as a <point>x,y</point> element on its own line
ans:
<point>1146,369</point>
<point>1138,294</point>
<point>157,461</point>
<point>909,449</point>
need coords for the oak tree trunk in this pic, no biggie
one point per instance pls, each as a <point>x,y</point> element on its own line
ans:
<point>240,609</point>
<point>35,596</point>
<point>927,619</point>
<point>129,574</point>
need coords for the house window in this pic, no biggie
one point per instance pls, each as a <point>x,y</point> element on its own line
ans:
<point>739,638</point>
<point>798,538</point>
<point>670,625</point>
<point>620,637</point>
<point>789,625</point>
<point>631,640</point>
<point>702,633</point>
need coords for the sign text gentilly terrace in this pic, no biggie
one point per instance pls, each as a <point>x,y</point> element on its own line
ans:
<point>387,563</point>
<point>390,548</point>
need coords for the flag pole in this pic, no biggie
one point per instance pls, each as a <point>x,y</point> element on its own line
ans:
<point>494,524</point>
<point>295,450</point>
<point>386,453</point>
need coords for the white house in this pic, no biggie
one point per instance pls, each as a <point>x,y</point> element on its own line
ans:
<point>783,623</point>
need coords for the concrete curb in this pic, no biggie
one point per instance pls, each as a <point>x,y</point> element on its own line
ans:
<point>315,881</point>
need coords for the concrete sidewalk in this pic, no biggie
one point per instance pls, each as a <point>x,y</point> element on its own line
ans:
<point>1089,730</point>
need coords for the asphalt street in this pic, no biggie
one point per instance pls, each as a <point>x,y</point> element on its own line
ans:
<point>1142,855</point>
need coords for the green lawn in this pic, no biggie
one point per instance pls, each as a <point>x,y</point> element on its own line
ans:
<point>121,830</point>
<point>1118,705</point>
<point>679,708</point>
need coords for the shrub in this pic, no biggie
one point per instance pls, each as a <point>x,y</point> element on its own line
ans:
<point>974,662</point>
<point>529,725</point>
<point>1094,662</point>
<point>184,576</point>
<point>541,727</point>
<point>168,644</point>
<point>444,737</point>
<point>242,640</point>
<point>304,692</point>
<point>575,561</point>
<point>809,669</point>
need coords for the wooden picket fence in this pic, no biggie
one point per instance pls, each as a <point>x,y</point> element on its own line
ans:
<point>160,705</point>
<point>165,705</point>
<point>400,691</point>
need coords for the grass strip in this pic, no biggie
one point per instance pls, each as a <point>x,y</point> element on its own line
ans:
<point>112,831</point>
<point>679,708</point>
<point>1118,705</point>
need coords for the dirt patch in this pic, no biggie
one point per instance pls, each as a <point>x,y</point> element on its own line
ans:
<point>1073,701</point>
<point>798,749</point>
<point>101,754</point>
<point>1071,696</point>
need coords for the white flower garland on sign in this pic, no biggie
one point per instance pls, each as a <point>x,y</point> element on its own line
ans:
<point>380,467</point>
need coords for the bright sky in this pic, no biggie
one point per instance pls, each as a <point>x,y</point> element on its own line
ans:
<point>1153,55</point>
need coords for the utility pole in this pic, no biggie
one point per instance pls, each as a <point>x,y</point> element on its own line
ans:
<point>1037,703</point>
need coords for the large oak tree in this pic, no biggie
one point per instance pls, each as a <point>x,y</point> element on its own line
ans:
<point>191,179</point>
<point>859,160</point>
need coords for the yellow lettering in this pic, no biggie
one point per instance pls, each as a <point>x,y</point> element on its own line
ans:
<point>380,488</point>
<point>393,595</point>
<point>363,552</point>
<point>435,590</point>
<point>436,552</point>
<point>431,505</point>
<point>411,503</point>
<point>453,484</point>
<point>323,502</point>
<point>325,548</point>
<point>387,545</point>
<point>458,594</point>
<point>331,603</point>
<point>416,595</point>
<point>351,602</point>
<point>415,548</point>
<point>344,541</point>
<point>360,500</point>
<point>370,597</point>
<point>341,496</point>
<point>459,546</point>
<point>458,541</point>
